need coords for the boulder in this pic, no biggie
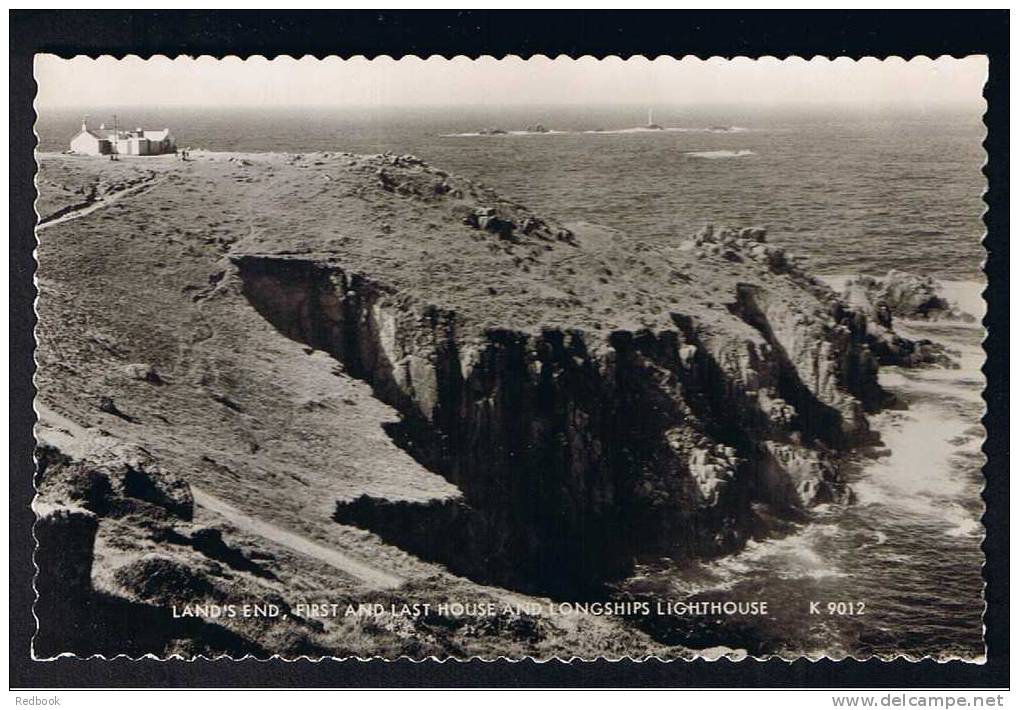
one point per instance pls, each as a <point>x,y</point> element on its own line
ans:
<point>144,372</point>
<point>798,478</point>
<point>149,482</point>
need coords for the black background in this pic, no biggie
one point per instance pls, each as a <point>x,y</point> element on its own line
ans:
<point>497,33</point>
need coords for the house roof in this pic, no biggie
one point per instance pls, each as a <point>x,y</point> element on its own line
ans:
<point>94,134</point>
<point>105,134</point>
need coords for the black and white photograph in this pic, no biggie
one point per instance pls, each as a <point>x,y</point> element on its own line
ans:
<point>480,358</point>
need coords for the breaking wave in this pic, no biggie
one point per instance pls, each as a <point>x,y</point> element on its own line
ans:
<point>908,548</point>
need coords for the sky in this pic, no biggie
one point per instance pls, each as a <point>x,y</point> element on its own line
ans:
<point>436,81</point>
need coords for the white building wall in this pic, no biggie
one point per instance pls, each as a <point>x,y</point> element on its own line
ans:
<point>160,142</point>
<point>85,143</point>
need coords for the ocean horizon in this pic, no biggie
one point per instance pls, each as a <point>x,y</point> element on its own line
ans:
<point>850,191</point>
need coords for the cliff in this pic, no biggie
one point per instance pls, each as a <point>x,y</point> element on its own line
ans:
<point>352,374</point>
<point>577,449</point>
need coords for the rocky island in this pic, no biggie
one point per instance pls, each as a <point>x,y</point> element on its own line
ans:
<point>357,380</point>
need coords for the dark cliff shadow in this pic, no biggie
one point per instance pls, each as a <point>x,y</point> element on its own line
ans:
<point>506,528</point>
<point>565,470</point>
<point>515,525</point>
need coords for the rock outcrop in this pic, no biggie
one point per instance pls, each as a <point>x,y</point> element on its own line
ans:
<point>125,604</point>
<point>860,316</point>
<point>118,480</point>
<point>577,452</point>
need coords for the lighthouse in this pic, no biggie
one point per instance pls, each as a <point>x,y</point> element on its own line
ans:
<point>651,121</point>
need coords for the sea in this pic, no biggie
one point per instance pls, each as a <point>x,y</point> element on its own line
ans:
<point>853,192</point>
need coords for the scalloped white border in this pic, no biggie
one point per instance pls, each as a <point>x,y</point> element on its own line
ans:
<point>613,58</point>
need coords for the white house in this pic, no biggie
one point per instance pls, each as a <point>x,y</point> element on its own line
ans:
<point>102,141</point>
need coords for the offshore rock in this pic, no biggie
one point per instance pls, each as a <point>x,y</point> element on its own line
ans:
<point>900,295</point>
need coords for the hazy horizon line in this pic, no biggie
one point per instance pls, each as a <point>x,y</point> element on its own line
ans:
<point>756,105</point>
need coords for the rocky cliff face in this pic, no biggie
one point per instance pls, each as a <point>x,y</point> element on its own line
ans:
<point>577,452</point>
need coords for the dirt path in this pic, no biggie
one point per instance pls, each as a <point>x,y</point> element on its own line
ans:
<point>99,203</point>
<point>76,440</point>
<point>346,564</point>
